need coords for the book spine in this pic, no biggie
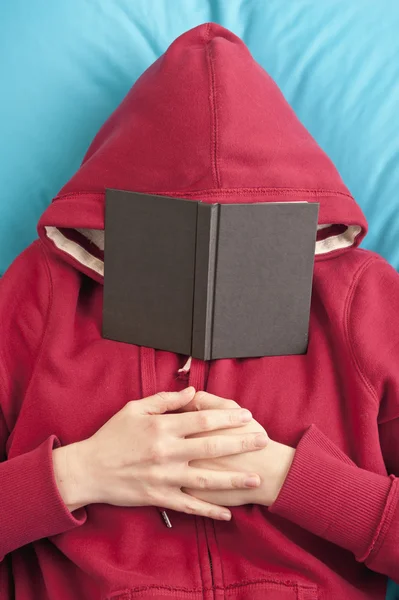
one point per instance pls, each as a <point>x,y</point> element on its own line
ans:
<point>204,286</point>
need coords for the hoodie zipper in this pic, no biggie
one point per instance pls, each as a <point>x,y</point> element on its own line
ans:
<point>210,559</point>
<point>210,563</point>
<point>149,387</point>
<point>196,370</point>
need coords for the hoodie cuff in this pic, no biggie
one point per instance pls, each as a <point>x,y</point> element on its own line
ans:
<point>31,506</point>
<point>328,495</point>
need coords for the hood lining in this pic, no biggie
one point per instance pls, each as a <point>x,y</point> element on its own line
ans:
<point>329,244</point>
<point>75,250</point>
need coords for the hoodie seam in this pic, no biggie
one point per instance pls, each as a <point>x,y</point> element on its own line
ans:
<point>201,574</point>
<point>382,529</point>
<point>217,191</point>
<point>4,376</point>
<point>50,294</point>
<point>347,324</point>
<point>213,107</point>
<point>40,345</point>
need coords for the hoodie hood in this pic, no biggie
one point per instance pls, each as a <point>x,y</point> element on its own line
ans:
<point>205,121</point>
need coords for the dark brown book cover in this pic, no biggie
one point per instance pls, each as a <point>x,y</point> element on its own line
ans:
<point>210,280</point>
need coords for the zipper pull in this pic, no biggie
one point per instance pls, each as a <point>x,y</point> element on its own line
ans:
<point>166,519</point>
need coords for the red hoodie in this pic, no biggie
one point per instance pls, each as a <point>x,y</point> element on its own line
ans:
<point>203,122</point>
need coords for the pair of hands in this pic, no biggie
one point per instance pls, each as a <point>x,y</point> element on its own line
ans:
<point>185,451</point>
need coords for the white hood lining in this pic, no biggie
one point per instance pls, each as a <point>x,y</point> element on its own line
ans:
<point>96,237</point>
<point>346,239</point>
<point>75,250</point>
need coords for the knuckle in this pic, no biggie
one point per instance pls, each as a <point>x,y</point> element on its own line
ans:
<point>198,400</point>
<point>159,453</point>
<point>247,443</point>
<point>131,407</point>
<point>235,483</point>
<point>204,421</point>
<point>210,448</point>
<point>203,482</point>
<point>233,417</point>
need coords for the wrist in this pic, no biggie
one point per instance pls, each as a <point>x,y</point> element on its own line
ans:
<point>278,461</point>
<point>71,475</point>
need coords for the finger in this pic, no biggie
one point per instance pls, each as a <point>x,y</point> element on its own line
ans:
<point>207,420</point>
<point>185,503</point>
<point>204,479</point>
<point>164,402</point>
<point>219,445</point>
<point>205,401</point>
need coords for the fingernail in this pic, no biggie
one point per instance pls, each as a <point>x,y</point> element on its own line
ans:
<point>245,416</point>
<point>252,481</point>
<point>261,440</point>
<point>226,516</point>
<point>188,391</point>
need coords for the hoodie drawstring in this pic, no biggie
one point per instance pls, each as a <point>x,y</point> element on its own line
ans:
<point>196,370</point>
<point>148,372</point>
<point>196,376</point>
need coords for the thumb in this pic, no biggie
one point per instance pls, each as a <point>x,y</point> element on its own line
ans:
<point>206,401</point>
<point>164,402</point>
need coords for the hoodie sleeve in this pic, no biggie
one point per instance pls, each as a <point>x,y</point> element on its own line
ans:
<point>30,504</point>
<point>325,492</point>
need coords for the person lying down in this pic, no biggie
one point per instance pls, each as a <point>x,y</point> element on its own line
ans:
<point>136,472</point>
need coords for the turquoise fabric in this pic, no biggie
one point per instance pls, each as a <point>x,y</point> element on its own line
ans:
<point>65,65</point>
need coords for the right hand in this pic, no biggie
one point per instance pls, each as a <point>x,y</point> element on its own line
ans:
<point>141,457</point>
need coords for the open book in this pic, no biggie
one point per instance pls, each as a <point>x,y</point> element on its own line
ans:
<point>208,280</point>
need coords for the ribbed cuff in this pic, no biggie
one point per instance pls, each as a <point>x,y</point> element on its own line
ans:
<point>31,506</point>
<point>327,494</point>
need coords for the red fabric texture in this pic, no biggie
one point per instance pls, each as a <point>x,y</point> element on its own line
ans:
<point>205,121</point>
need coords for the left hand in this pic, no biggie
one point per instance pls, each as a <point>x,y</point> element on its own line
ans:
<point>271,463</point>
